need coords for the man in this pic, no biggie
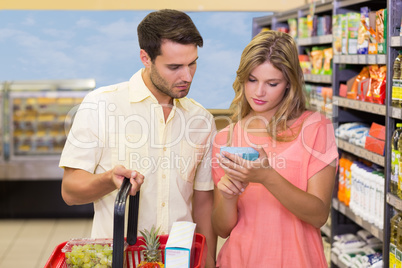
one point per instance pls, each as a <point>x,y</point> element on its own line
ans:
<point>146,130</point>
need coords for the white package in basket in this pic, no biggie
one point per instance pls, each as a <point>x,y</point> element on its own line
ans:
<point>179,245</point>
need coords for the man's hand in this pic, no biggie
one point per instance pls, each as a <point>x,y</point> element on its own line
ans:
<point>136,179</point>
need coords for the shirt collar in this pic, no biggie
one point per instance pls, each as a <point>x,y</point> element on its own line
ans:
<point>139,92</point>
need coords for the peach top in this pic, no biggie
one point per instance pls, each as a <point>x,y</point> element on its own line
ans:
<point>267,234</point>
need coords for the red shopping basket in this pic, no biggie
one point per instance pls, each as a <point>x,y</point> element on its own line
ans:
<point>131,256</point>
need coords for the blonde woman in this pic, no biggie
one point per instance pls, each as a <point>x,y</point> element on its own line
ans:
<point>271,209</point>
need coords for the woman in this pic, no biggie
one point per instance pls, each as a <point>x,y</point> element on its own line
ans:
<point>271,209</point>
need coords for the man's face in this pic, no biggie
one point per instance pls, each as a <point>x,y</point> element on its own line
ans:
<point>172,72</point>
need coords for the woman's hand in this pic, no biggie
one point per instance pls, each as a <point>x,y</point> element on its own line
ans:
<point>241,171</point>
<point>136,179</point>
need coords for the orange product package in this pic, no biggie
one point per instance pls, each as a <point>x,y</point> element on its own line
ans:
<point>376,92</point>
<point>353,92</point>
<point>341,180</point>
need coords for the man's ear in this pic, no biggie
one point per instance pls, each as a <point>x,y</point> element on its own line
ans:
<point>144,57</point>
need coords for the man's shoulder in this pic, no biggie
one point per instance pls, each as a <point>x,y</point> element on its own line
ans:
<point>104,91</point>
<point>195,106</point>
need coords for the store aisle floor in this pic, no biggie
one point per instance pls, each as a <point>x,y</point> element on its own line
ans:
<point>28,243</point>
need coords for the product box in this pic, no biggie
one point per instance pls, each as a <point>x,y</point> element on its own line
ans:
<point>337,34</point>
<point>178,251</point>
<point>246,153</point>
<point>398,257</point>
<point>353,30</point>
<point>373,46</point>
<point>374,145</point>
<point>381,29</point>
<point>392,257</point>
<point>344,30</point>
<point>377,131</point>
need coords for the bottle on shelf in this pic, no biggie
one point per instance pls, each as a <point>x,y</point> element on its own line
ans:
<point>341,178</point>
<point>395,156</point>
<point>396,82</point>
<point>394,221</point>
<point>400,168</point>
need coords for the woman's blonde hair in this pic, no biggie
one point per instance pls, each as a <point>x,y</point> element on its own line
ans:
<point>280,50</point>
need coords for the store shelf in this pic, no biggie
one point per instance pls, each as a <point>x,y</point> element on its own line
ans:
<point>361,59</point>
<point>396,41</point>
<point>395,112</point>
<point>361,152</point>
<point>318,78</point>
<point>357,219</point>
<point>337,262</point>
<point>394,201</point>
<point>315,40</point>
<point>360,105</point>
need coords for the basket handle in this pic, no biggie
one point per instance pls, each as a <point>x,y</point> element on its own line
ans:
<point>118,224</point>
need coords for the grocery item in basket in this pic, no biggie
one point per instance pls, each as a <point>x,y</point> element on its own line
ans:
<point>152,254</point>
<point>179,247</point>
<point>86,252</point>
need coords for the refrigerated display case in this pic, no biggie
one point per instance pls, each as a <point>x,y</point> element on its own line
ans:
<point>39,115</point>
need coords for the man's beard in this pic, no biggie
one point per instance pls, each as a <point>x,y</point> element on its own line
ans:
<point>161,85</point>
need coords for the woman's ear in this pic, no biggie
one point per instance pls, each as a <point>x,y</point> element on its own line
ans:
<point>145,59</point>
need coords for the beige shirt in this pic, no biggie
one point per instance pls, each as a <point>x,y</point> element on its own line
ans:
<point>124,124</point>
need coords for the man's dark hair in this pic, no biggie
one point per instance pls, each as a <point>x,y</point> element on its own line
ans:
<point>166,24</point>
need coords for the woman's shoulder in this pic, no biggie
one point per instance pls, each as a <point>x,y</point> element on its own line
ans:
<point>314,118</point>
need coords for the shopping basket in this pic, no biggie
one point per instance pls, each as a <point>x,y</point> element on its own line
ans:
<point>131,256</point>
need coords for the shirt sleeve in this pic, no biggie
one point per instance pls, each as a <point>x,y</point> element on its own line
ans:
<point>319,140</point>
<point>203,180</point>
<point>83,147</point>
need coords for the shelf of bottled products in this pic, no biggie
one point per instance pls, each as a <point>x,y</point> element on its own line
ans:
<point>347,109</point>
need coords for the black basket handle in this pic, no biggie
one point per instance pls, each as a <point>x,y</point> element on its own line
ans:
<point>118,224</point>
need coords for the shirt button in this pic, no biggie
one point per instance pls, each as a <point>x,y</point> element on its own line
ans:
<point>163,233</point>
<point>163,204</point>
<point>163,176</point>
<point>161,121</point>
<point>164,149</point>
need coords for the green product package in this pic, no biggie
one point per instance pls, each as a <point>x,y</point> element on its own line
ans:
<point>353,30</point>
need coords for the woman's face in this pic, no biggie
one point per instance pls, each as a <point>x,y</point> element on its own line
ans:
<point>265,89</point>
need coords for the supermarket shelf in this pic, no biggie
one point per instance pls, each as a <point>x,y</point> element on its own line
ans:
<point>360,105</point>
<point>394,201</point>
<point>357,219</point>
<point>318,78</point>
<point>361,59</point>
<point>337,262</point>
<point>395,112</point>
<point>361,152</point>
<point>396,41</point>
<point>315,40</point>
